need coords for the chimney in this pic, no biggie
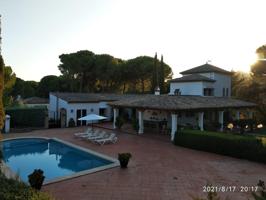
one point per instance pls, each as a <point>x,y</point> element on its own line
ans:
<point>157,90</point>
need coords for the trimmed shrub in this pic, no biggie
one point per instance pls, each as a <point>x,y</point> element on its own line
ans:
<point>71,123</point>
<point>135,124</point>
<point>119,122</point>
<point>214,126</point>
<point>244,147</point>
<point>27,117</point>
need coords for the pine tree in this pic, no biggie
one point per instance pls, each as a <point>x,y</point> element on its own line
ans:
<point>161,76</point>
<point>154,74</point>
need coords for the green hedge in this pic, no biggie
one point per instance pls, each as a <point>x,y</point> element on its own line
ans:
<point>245,147</point>
<point>27,117</point>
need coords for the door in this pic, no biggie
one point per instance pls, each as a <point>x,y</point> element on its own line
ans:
<point>81,113</point>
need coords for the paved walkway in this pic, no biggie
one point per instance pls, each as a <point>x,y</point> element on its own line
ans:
<point>157,170</point>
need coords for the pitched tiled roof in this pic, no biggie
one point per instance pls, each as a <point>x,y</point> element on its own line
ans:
<point>205,69</point>
<point>36,100</point>
<point>90,97</point>
<point>192,78</point>
<point>177,103</point>
<point>151,101</point>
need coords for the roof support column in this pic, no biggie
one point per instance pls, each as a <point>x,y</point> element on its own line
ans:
<point>174,126</point>
<point>221,120</point>
<point>250,114</point>
<point>237,115</point>
<point>116,112</point>
<point>201,120</point>
<point>141,122</point>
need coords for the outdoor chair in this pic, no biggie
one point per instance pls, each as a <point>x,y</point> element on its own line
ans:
<point>100,135</point>
<point>88,131</point>
<point>91,133</point>
<point>111,139</point>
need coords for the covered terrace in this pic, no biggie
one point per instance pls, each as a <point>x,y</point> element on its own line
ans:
<point>174,105</point>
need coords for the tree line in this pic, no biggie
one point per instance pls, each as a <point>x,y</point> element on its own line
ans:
<point>252,86</point>
<point>85,71</point>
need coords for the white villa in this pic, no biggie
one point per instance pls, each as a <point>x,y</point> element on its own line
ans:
<point>201,96</point>
<point>205,80</point>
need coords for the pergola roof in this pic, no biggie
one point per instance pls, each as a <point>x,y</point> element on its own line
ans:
<point>179,103</point>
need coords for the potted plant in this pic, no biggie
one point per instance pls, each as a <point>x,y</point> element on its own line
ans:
<point>124,159</point>
<point>36,179</point>
<point>119,122</point>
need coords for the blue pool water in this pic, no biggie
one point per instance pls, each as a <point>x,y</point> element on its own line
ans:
<point>56,159</point>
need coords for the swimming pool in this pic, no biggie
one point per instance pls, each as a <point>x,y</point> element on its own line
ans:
<point>58,159</point>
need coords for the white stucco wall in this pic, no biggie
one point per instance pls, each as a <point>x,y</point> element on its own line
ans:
<point>71,108</point>
<point>52,106</point>
<point>187,88</point>
<point>196,88</point>
<point>208,75</point>
<point>222,81</point>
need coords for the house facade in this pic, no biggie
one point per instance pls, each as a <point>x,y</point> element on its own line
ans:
<point>204,80</point>
<point>200,97</point>
<point>72,106</point>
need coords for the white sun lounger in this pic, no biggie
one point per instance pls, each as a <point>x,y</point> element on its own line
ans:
<point>102,135</point>
<point>88,131</point>
<point>91,134</point>
<point>111,139</point>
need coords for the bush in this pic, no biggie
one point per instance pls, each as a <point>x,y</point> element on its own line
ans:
<point>261,194</point>
<point>119,122</point>
<point>135,124</point>
<point>12,189</point>
<point>213,126</point>
<point>245,147</point>
<point>36,179</point>
<point>27,117</point>
<point>242,123</point>
<point>71,123</point>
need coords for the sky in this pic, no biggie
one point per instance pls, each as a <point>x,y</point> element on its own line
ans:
<point>188,33</point>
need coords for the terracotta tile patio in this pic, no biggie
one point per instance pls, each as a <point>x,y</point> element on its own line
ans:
<point>157,170</point>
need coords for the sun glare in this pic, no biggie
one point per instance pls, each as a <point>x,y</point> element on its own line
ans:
<point>245,63</point>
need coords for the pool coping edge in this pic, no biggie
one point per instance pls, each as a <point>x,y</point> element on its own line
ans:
<point>115,162</point>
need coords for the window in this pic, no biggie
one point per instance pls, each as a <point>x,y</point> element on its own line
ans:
<point>227,92</point>
<point>81,113</point>
<point>208,91</point>
<point>102,111</point>
<point>223,92</point>
<point>177,92</point>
